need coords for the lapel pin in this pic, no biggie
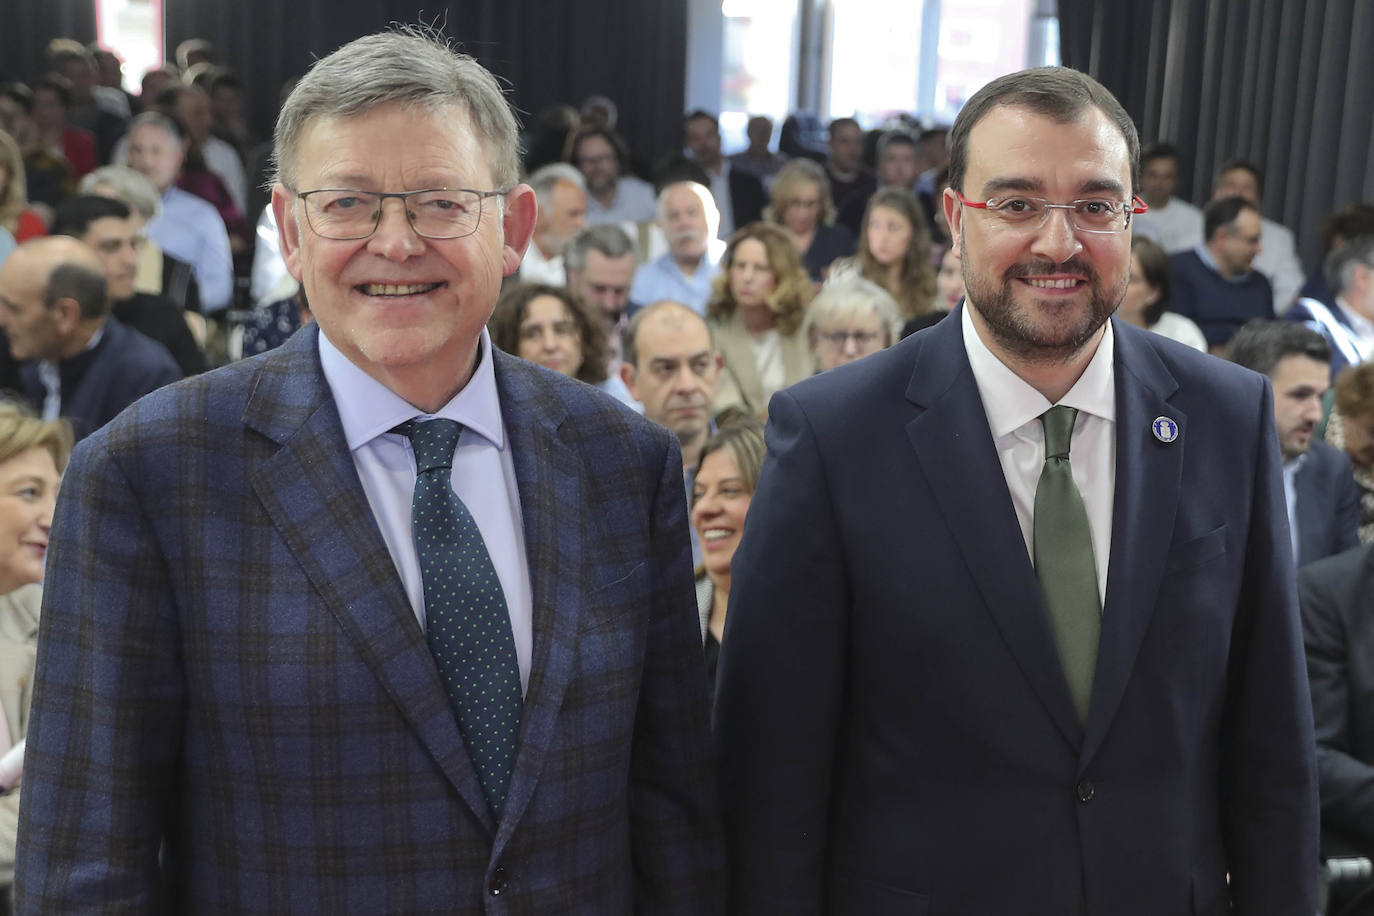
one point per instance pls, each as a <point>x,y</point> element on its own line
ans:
<point>1165,430</point>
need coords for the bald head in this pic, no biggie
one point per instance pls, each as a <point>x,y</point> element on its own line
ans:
<point>52,297</point>
<point>671,367</point>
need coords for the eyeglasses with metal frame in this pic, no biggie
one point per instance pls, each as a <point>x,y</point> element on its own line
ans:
<point>347,214</point>
<point>1091,214</point>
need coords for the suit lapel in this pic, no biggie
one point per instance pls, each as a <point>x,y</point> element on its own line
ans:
<point>957,455</point>
<point>309,487</point>
<point>739,359</point>
<point>1148,472</point>
<point>549,479</point>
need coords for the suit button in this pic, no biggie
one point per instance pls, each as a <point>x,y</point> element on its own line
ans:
<point>1085,789</point>
<point>498,884</point>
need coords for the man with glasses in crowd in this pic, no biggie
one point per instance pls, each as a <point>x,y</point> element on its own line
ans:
<point>383,621</point>
<point>1030,644</point>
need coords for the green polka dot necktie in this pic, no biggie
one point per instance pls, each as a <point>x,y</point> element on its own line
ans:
<point>466,621</point>
<point>1064,560</point>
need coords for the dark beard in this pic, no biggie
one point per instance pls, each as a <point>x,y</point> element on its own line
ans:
<point>1017,332</point>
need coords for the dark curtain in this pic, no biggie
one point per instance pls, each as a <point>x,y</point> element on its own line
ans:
<point>26,27</point>
<point>1283,83</point>
<point>634,53</point>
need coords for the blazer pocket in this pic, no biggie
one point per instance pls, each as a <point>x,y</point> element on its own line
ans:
<point>854,894</point>
<point>1197,551</point>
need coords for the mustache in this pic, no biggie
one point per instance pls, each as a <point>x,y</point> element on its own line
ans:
<point>1039,267</point>
<point>686,235</point>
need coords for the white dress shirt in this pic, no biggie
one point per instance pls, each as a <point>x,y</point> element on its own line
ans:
<point>1013,410</point>
<point>483,478</point>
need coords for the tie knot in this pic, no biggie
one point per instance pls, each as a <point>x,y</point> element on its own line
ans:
<point>1058,423</point>
<point>434,442</point>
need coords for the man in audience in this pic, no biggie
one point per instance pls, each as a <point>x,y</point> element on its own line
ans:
<point>757,159</point>
<point>155,82</point>
<point>600,262</point>
<point>1173,223</point>
<point>844,165</point>
<point>194,51</point>
<point>899,165</point>
<point>672,368</point>
<point>108,227</point>
<point>613,195</point>
<point>561,195</point>
<point>687,215</point>
<point>1278,257</point>
<point>739,196</point>
<point>1340,226</point>
<point>1318,481</point>
<point>193,109</point>
<point>188,228</point>
<point>90,106</point>
<point>1214,284</point>
<point>930,691</point>
<point>306,652</point>
<point>1348,322</point>
<point>85,365</point>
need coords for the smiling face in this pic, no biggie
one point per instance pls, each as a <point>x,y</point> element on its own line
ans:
<point>405,309</point>
<point>720,500</point>
<point>1041,293</point>
<point>28,492</point>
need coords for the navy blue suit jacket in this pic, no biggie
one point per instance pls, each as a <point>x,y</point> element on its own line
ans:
<point>896,734</point>
<point>1328,503</point>
<point>236,711</point>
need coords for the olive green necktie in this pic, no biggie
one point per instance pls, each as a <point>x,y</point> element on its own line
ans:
<point>1064,560</point>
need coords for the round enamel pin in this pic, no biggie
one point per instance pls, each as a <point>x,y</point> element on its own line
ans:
<point>1166,430</point>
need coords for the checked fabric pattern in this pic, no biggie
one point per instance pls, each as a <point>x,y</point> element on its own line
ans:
<point>467,624</point>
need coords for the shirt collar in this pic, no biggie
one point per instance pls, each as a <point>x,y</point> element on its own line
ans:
<point>1363,327</point>
<point>367,408</point>
<point>1011,402</point>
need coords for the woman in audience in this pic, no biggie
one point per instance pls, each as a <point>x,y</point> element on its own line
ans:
<point>1351,427</point>
<point>849,319</point>
<point>758,301</point>
<point>32,455</point>
<point>894,251</point>
<point>550,326</point>
<point>721,490</point>
<point>15,214</point>
<point>802,205</point>
<point>949,282</point>
<point>52,96</point>
<point>1146,303</point>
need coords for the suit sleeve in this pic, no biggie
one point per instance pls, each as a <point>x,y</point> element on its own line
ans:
<point>674,812</point>
<point>1268,775</point>
<point>781,676</point>
<point>1347,783</point>
<point>105,730</point>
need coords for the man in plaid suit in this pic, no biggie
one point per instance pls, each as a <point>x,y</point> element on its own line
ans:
<point>236,707</point>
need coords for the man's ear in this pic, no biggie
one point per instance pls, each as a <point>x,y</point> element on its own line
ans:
<point>628,376</point>
<point>66,314</point>
<point>519,215</point>
<point>288,228</point>
<point>954,215</point>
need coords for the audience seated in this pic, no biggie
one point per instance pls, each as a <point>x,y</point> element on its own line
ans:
<point>1350,427</point>
<point>844,167</point>
<point>600,262</point>
<point>756,158</point>
<point>47,174</point>
<point>1214,284</point>
<point>561,194</point>
<point>1349,222</point>
<point>1347,322</point>
<point>757,305</point>
<point>1278,254</point>
<point>16,216</point>
<point>1150,293</point>
<point>850,318</point>
<point>801,204</point>
<point>739,195</point>
<point>75,145</point>
<point>102,113</point>
<point>1174,224</point>
<point>687,215</point>
<point>550,326</point>
<point>85,366</point>
<point>33,454</point>
<point>613,195</point>
<point>899,165</point>
<point>894,251</point>
<point>1323,501</point>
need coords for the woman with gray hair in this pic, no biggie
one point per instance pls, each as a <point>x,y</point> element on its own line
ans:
<point>849,319</point>
<point>158,272</point>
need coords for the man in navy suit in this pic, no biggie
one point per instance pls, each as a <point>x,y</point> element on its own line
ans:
<point>1014,626</point>
<point>243,703</point>
<point>1319,487</point>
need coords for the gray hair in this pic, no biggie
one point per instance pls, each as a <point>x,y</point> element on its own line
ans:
<point>158,119</point>
<point>128,185</point>
<point>849,297</point>
<point>1341,264</point>
<point>412,66</point>
<point>703,193</point>
<point>547,178</point>
<point>607,238</point>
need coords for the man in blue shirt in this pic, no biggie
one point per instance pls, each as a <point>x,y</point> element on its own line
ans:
<point>687,215</point>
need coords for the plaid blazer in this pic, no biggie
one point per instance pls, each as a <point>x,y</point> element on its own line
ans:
<point>236,711</point>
